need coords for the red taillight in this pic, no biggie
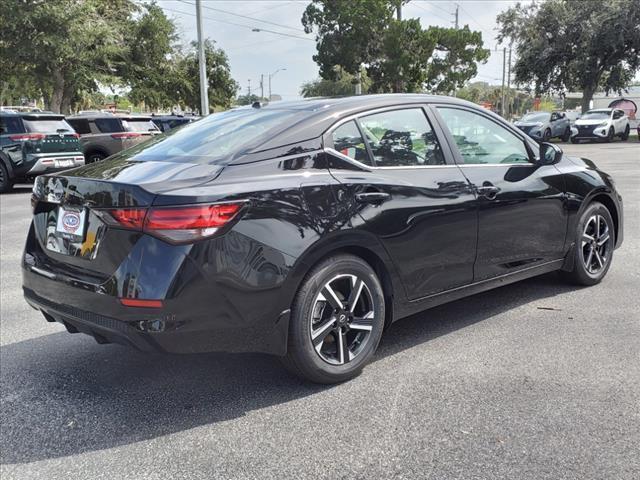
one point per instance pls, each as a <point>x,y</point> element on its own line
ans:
<point>174,224</point>
<point>129,217</point>
<point>126,135</point>
<point>27,136</point>
<point>141,303</point>
<point>197,216</point>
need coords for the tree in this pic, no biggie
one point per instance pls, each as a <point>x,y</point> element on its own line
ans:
<point>63,46</point>
<point>222,88</point>
<point>398,55</point>
<point>344,84</point>
<point>566,45</point>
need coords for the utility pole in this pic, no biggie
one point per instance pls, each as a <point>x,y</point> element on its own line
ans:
<point>504,66</point>
<point>509,84</point>
<point>456,16</point>
<point>399,10</point>
<point>359,83</point>
<point>202,63</point>
<point>261,86</point>
<point>249,88</point>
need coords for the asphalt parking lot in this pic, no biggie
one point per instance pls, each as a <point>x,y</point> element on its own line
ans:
<point>537,380</point>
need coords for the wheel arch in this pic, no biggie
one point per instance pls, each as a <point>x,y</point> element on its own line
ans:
<point>364,246</point>
<point>7,163</point>
<point>608,202</point>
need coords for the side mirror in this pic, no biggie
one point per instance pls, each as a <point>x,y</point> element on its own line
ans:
<point>550,154</point>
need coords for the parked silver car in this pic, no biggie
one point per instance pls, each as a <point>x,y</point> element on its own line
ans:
<point>104,134</point>
<point>543,126</point>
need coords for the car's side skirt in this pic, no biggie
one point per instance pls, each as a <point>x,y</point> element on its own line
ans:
<point>440,298</point>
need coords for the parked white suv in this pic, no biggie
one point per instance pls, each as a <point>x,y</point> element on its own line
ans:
<point>601,124</point>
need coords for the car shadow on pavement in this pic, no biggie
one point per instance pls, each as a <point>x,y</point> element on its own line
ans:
<point>64,395</point>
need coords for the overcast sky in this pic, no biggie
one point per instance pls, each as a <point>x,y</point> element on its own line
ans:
<point>254,53</point>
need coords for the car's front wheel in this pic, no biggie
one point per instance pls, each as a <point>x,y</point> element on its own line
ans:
<point>546,136</point>
<point>566,136</point>
<point>594,243</point>
<point>611,135</point>
<point>625,134</point>
<point>336,321</point>
<point>6,182</point>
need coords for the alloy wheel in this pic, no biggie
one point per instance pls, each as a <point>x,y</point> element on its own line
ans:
<point>342,319</point>
<point>596,244</point>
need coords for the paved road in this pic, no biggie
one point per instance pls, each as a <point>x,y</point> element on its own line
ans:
<point>537,380</point>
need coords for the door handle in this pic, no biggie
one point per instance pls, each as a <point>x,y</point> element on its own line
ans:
<point>372,197</point>
<point>488,191</point>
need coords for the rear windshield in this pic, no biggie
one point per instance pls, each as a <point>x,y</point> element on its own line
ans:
<point>108,125</point>
<point>139,125</point>
<point>47,125</point>
<point>596,115</point>
<point>215,138</point>
<point>536,117</point>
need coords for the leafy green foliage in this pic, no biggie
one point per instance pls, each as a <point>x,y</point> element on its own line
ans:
<point>65,50</point>
<point>343,85</point>
<point>398,55</point>
<point>566,45</point>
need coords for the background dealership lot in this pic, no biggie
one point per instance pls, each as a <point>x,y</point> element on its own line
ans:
<point>533,380</point>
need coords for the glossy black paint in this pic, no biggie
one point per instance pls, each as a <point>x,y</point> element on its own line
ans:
<point>431,233</point>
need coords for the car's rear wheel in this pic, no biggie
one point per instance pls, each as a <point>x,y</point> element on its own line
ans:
<point>6,182</point>
<point>625,134</point>
<point>594,243</point>
<point>336,321</point>
<point>566,136</point>
<point>611,135</point>
<point>95,157</point>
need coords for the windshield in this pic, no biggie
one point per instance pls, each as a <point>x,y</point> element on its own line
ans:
<point>47,125</point>
<point>141,125</point>
<point>596,115</point>
<point>536,117</point>
<point>214,138</point>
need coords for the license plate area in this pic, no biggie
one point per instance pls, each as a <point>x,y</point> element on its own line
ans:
<point>68,234</point>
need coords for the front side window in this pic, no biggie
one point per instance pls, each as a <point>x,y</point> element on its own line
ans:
<point>348,141</point>
<point>402,138</point>
<point>482,141</point>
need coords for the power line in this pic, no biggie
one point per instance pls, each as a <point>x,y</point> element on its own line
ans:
<point>429,11</point>
<point>245,16</point>
<point>226,22</point>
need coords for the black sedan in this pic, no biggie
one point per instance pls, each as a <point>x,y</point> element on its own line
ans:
<point>304,229</point>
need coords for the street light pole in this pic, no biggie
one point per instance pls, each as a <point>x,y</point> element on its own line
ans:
<point>202,63</point>
<point>273,75</point>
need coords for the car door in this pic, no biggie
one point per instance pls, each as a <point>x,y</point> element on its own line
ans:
<point>619,121</point>
<point>410,194</point>
<point>555,125</point>
<point>10,129</point>
<point>522,220</point>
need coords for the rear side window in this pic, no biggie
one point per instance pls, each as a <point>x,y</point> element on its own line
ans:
<point>47,125</point>
<point>401,138</point>
<point>108,125</point>
<point>216,138</point>
<point>348,141</point>
<point>80,125</point>
<point>10,125</point>
<point>142,125</point>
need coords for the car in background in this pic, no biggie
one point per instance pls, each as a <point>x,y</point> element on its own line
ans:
<point>32,143</point>
<point>169,122</point>
<point>543,126</point>
<point>601,124</point>
<point>103,134</point>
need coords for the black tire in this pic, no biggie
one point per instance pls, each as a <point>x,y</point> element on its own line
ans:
<point>95,157</point>
<point>6,182</point>
<point>566,136</point>
<point>580,274</point>
<point>546,136</point>
<point>625,134</point>
<point>303,359</point>
<point>611,135</point>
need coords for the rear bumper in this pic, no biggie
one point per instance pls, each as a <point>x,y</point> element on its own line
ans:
<point>54,162</point>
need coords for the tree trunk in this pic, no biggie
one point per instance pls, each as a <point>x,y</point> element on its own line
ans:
<point>67,97</point>
<point>55,102</point>
<point>587,96</point>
